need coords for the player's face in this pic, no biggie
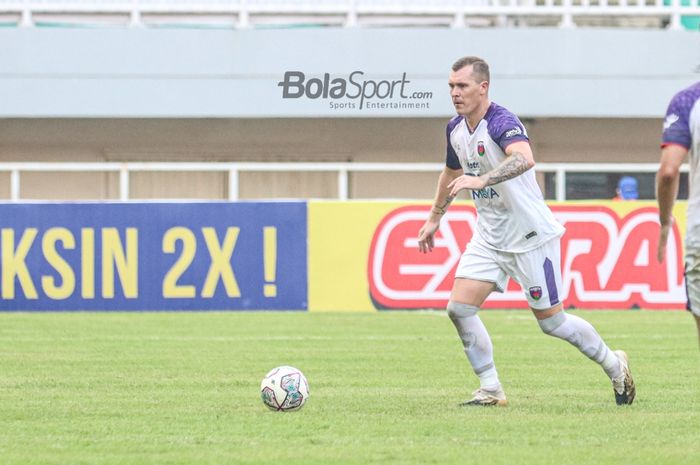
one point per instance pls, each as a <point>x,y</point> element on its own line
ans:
<point>467,94</point>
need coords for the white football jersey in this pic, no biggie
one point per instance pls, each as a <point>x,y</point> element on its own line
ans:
<point>511,216</point>
<point>682,127</point>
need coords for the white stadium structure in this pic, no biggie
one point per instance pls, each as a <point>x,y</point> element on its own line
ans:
<point>148,99</point>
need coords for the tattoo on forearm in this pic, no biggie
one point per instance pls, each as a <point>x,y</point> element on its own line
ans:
<point>441,209</point>
<point>513,166</point>
<point>448,201</point>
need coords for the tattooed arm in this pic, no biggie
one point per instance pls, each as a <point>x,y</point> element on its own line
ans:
<point>426,235</point>
<point>519,159</point>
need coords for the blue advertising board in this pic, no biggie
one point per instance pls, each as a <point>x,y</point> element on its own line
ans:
<point>153,256</point>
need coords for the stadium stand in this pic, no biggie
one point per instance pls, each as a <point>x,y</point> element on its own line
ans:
<point>673,14</point>
<point>89,85</point>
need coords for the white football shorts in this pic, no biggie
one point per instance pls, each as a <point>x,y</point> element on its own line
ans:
<point>537,271</point>
<point>692,279</point>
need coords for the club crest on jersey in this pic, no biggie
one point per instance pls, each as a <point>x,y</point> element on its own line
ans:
<point>536,292</point>
<point>480,149</point>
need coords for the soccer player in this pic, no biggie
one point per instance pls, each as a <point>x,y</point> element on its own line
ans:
<point>681,135</point>
<point>516,235</point>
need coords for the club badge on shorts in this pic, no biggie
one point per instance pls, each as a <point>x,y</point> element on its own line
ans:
<point>536,292</point>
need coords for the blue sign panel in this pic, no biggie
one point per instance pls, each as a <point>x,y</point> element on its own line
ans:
<point>153,256</point>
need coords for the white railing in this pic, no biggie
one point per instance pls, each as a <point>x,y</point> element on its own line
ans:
<point>233,169</point>
<point>247,13</point>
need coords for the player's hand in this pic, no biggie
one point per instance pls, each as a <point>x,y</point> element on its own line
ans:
<point>466,182</point>
<point>663,239</point>
<point>426,236</point>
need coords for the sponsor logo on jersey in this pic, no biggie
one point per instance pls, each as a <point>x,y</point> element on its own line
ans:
<point>670,119</point>
<point>535,292</point>
<point>480,149</point>
<point>474,166</point>
<point>485,193</point>
<point>516,131</point>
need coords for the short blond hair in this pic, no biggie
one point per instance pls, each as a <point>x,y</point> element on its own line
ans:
<point>480,67</point>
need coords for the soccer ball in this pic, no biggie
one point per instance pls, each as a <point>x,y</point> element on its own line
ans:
<point>284,389</point>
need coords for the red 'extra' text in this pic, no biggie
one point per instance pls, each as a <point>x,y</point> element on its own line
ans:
<point>607,261</point>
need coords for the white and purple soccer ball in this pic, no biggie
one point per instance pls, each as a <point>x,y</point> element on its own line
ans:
<point>284,389</point>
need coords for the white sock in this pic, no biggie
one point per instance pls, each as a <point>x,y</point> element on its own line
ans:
<point>585,338</point>
<point>476,342</point>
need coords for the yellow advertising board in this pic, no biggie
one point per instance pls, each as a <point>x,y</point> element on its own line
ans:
<point>363,256</point>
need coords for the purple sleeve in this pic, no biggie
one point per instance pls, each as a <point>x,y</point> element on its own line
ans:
<point>505,128</point>
<point>451,159</point>
<point>677,122</point>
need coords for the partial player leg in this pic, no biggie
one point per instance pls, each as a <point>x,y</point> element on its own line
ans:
<point>475,339</point>
<point>539,273</point>
<point>582,335</point>
<point>692,284</point>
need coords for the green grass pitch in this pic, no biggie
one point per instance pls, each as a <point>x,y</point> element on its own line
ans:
<point>183,388</point>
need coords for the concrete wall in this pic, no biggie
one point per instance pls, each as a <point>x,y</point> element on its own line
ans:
<point>139,72</point>
<point>139,94</point>
<point>284,140</point>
